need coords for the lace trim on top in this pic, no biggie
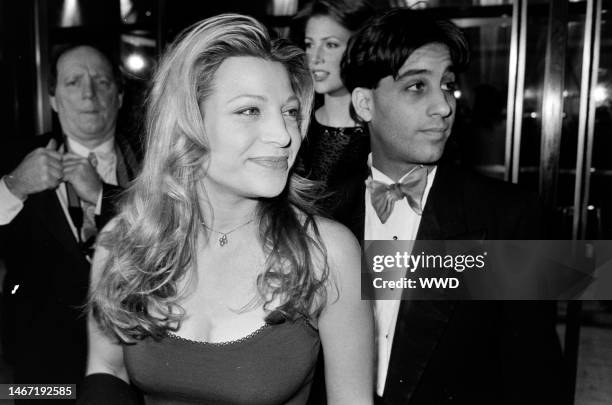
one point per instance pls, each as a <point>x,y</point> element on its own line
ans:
<point>225,343</point>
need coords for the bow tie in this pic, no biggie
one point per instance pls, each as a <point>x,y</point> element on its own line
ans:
<point>384,196</point>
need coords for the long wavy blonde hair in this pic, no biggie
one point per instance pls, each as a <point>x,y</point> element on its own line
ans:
<point>153,240</point>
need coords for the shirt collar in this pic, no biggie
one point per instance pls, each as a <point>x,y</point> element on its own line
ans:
<point>104,148</point>
<point>383,178</point>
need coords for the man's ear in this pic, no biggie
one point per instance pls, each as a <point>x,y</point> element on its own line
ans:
<point>53,103</point>
<point>363,103</point>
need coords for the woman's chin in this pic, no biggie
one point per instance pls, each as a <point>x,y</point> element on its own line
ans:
<point>268,190</point>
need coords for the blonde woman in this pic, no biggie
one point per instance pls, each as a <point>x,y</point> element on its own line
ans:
<point>217,283</point>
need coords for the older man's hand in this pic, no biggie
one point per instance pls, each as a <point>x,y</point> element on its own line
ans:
<point>40,170</point>
<point>79,172</point>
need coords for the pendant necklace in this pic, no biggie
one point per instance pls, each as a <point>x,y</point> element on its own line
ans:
<point>223,239</point>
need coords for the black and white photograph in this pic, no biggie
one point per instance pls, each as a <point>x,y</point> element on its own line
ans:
<point>306,202</point>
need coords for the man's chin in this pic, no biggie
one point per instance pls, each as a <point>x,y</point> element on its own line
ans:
<point>91,132</point>
<point>430,158</point>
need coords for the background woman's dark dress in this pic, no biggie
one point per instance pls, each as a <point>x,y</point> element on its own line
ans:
<point>331,155</point>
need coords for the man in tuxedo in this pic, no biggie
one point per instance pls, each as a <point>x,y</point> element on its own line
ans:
<point>56,193</point>
<point>401,70</point>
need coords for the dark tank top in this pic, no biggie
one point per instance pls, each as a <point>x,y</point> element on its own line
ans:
<point>273,365</point>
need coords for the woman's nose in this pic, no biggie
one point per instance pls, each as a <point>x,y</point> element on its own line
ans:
<point>316,54</point>
<point>277,132</point>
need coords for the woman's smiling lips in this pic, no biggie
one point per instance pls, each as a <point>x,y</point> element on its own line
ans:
<point>320,74</point>
<point>272,162</point>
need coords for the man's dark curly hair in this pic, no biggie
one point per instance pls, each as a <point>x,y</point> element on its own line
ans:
<point>382,46</point>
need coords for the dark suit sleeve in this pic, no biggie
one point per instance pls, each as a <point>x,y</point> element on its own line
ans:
<point>12,152</point>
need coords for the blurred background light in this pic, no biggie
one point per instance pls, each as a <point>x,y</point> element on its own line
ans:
<point>282,7</point>
<point>138,54</point>
<point>126,7</point>
<point>135,62</point>
<point>71,14</point>
<point>600,94</point>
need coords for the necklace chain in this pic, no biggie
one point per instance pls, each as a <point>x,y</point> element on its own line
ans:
<point>223,239</point>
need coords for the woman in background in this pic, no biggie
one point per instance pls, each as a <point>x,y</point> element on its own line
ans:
<point>216,283</point>
<point>336,144</point>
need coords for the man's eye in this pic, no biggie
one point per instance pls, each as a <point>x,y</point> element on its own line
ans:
<point>418,86</point>
<point>450,86</point>
<point>251,111</point>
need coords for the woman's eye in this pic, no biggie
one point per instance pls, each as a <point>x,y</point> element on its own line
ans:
<point>332,45</point>
<point>292,113</point>
<point>251,111</point>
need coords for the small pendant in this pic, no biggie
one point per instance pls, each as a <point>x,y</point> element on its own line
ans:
<point>223,240</point>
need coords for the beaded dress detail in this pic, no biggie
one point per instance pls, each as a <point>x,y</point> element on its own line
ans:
<point>331,155</point>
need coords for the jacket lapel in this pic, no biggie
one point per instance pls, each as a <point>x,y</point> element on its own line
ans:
<point>421,324</point>
<point>47,208</point>
<point>127,163</point>
<point>444,212</point>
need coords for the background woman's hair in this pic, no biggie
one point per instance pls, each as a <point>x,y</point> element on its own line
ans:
<point>351,14</point>
<point>153,241</point>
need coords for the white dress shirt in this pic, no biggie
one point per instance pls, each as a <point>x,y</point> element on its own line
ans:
<point>10,205</point>
<point>403,224</point>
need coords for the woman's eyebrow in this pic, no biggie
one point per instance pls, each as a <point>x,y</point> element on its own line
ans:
<point>255,96</point>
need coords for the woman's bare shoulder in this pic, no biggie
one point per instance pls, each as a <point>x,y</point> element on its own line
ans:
<point>342,254</point>
<point>337,238</point>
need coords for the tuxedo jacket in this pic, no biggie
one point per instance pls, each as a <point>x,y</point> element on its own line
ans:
<point>472,352</point>
<point>45,289</point>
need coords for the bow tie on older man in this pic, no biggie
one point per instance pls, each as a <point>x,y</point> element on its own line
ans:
<point>412,187</point>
